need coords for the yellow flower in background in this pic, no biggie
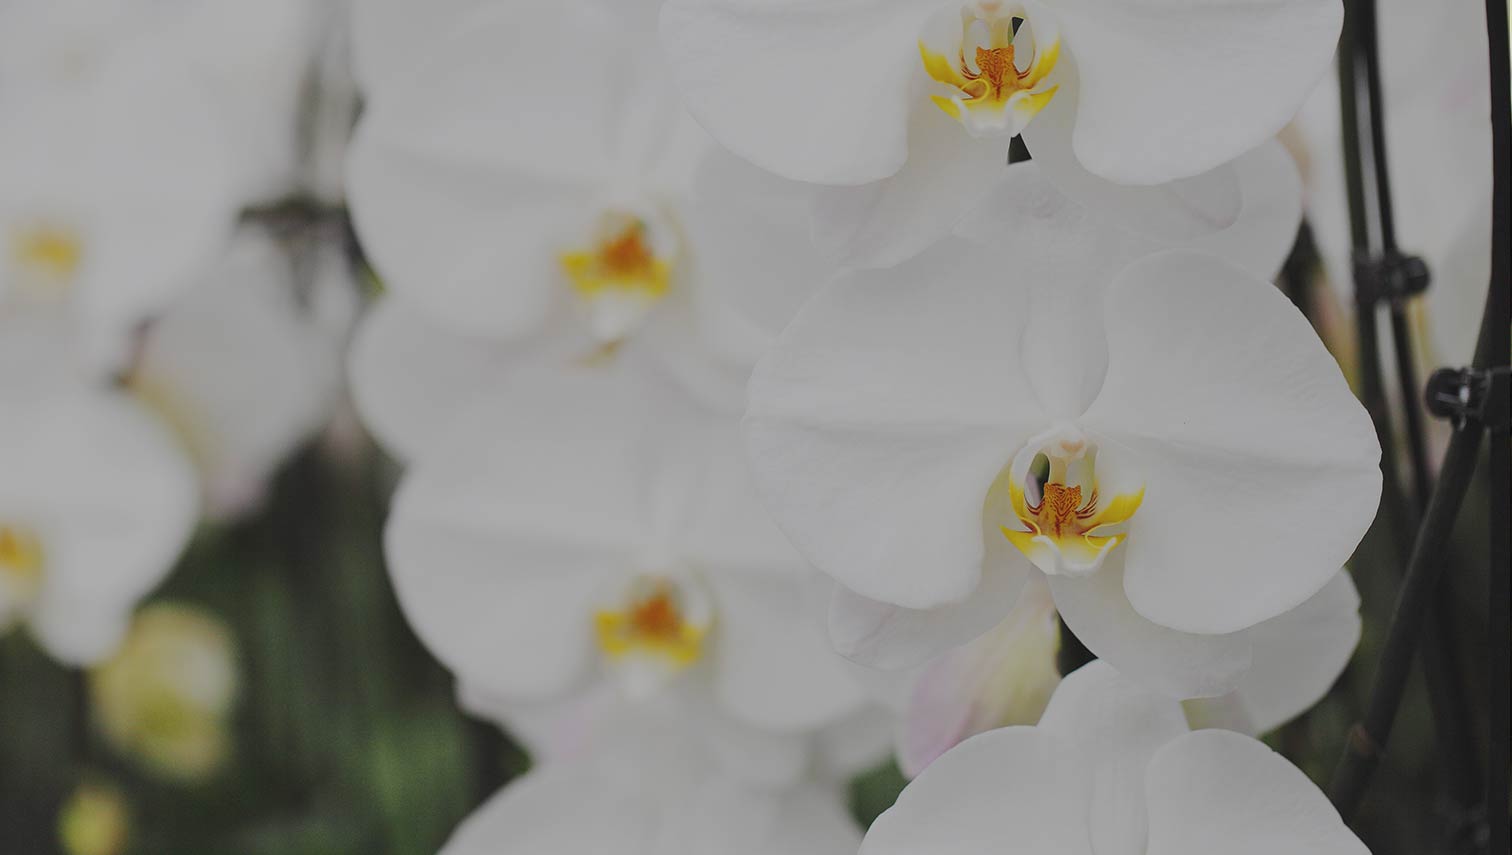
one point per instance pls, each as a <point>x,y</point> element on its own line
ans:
<point>94,821</point>
<point>165,697</point>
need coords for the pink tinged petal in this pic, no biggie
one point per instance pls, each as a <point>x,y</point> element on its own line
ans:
<point>1218,791</point>
<point>1117,727</point>
<point>880,635</point>
<point>1177,210</point>
<point>409,376</point>
<point>461,204</point>
<point>1014,789</point>
<point>1169,89</point>
<point>1005,677</point>
<point>1176,664</point>
<point>773,667</point>
<point>1299,655</point>
<point>884,414</point>
<point>501,536</point>
<point>776,83</point>
<point>1260,467</point>
<point>887,221</point>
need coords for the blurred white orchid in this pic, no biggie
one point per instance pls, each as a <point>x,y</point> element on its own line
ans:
<point>1111,769</point>
<point>242,370</point>
<point>116,190</point>
<point>931,435</point>
<point>1134,112</point>
<point>654,792</point>
<point>1006,675</point>
<point>96,502</point>
<point>165,697</point>
<point>568,230</point>
<point>582,541</point>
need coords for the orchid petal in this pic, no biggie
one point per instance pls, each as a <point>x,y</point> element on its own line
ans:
<point>1260,468</point>
<point>872,435</point>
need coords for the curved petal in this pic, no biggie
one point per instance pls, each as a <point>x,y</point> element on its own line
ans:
<point>1169,89</point>
<point>389,37</point>
<point>1178,210</point>
<point>241,370</point>
<point>1218,791</point>
<point>880,635</point>
<point>409,377</point>
<point>776,82</point>
<point>1262,237</point>
<point>1003,678</point>
<point>557,809</point>
<point>500,536</point>
<point>1178,665</point>
<point>756,263</point>
<point>1117,727</point>
<point>884,414</point>
<point>465,183</point>
<point>774,669</point>
<point>1014,787</point>
<point>1260,468</point>
<point>113,500</point>
<point>1026,203</point>
<point>884,222</point>
<point>1299,655</point>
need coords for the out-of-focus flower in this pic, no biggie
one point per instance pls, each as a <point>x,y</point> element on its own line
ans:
<point>96,501</point>
<point>242,370</point>
<point>932,434</point>
<point>500,215</point>
<point>654,793</point>
<point>1438,144</point>
<point>116,189</point>
<point>165,696</point>
<point>94,821</point>
<point>1093,87</point>
<point>1111,768</point>
<point>390,37</point>
<point>1005,676</point>
<point>583,542</point>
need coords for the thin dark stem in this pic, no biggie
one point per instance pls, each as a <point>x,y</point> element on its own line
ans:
<point>1494,349</point>
<point>1359,59</point>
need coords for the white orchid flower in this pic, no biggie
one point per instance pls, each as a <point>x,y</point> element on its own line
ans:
<point>1111,769</point>
<point>905,107</point>
<point>242,370</point>
<point>580,540</point>
<point>1006,675</point>
<point>653,792</point>
<point>1166,440</point>
<point>96,503</point>
<point>116,190</point>
<point>501,215</point>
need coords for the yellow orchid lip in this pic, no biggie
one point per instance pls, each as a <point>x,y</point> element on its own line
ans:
<point>623,272</point>
<point>1054,492</point>
<point>46,257</point>
<point>654,629</point>
<point>990,94</point>
<point>21,561</point>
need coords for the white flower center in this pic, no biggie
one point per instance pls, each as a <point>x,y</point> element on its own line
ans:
<point>991,65</point>
<point>622,269</point>
<point>653,628</point>
<point>1064,522</point>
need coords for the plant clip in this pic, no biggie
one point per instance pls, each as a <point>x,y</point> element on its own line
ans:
<point>1464,395</point>
<point>1389,277</point>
